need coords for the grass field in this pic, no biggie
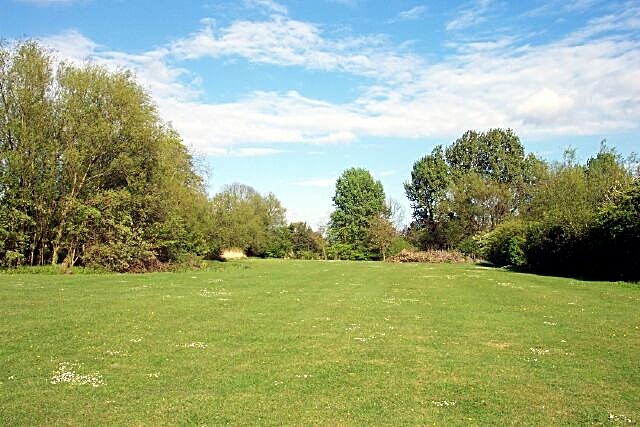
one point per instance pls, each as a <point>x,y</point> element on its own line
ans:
<point>331,343</point>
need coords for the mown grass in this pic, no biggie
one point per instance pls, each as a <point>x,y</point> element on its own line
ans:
<point>333,343</point>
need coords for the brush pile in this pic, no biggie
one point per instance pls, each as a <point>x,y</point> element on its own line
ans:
<point>431,256</point>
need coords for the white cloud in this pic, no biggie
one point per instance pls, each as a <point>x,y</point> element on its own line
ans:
<point>152,69</point>
<point>545,106</point>
<point>555,7</point>
<point>412,14</point>
<point>470,16</point>
<point>71,45</point>
<point>628,20</point>
<point>287,42</point>
<point>268,5</point>
<point>587,83</point>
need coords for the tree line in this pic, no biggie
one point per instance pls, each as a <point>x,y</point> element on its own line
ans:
<point>484,196</point>
<point>90,175</point>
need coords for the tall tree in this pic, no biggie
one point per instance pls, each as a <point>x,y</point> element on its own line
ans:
<point>358,199</point>
<point>29,151</point>
<point>430,178</point>
<point>477,182</point>
<point>87,167</point>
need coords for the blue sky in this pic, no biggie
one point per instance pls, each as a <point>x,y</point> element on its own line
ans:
<point>284,96</point>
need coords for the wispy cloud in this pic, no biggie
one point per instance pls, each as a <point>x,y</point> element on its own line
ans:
<point>584,84</point>
<point>288,42</point>
<point>626,21</point>
<point>470,16</point>
<point>412,14</point>
<point>555,7</point>
<point>267,5</point>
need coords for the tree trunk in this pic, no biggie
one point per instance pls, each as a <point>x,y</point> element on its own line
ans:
<point>54,254</point>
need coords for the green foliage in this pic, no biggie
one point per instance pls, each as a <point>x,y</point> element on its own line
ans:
<point>615,236</point>
<point>357,200</point>
<point>398,244</point>
<point>305,243</point>
<point>242,218</point>
<point>70,141</point>
<point>473,247</point>
<point>505,245</point>
<point>580,220</point>
<point>475,184</point>
<point>280,245</point>
<point>496,154</point>
<point>346,251</point>
<point>380,235</point>
<point>430,178</point>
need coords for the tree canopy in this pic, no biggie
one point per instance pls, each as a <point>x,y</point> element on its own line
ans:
<point>469,187</point>
<point>88,171</point>
<point>358,199</point>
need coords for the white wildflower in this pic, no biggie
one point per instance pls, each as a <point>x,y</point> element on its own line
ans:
<point>443,403</point>
<point>67,374</point>
<point>196,344</point>
<point>539,351</point>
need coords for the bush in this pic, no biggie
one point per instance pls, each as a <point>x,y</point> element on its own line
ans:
<point>615,238</point>
<point>347,251</point>
<point>398,244</point>
<point>12,259</point>
<point>307,255</point>
<point>506,244</point>
<point>472,247</point>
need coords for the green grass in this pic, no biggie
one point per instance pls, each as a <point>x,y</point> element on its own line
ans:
<point>332,343</point>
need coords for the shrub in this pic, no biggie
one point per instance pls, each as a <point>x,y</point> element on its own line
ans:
<point>615,238</point>
<point>347,251</point>
<point>12,259</point>
<point>472,247</point>
<point>506,244</point>
<point>307,255</point>
<point>398,244</point>
<point>122,257</point>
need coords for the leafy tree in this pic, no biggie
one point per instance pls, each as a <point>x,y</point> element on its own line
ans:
<point>244,219</point>
<point>430,179</point>
<point>88,168</point>
<point>380,235</point>
<point>580,220</point>
<point>496,154</point>
<point>305,243</point>
<point>479,181</point>
<point>615,236</point>
<point>28,154</point>
<point>358,199</point>
<point>280,245</point>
